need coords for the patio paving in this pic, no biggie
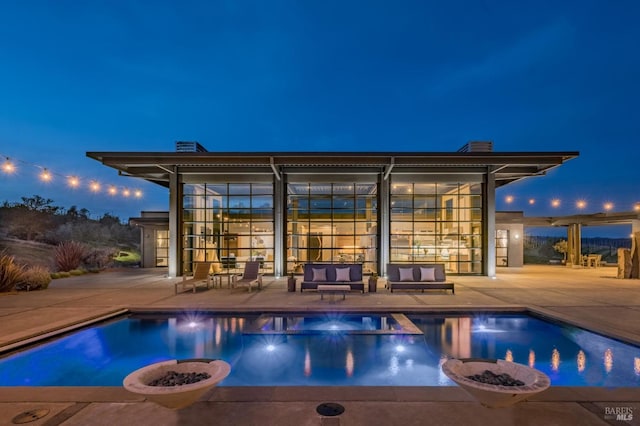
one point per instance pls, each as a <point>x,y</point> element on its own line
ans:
<point>591,298</point>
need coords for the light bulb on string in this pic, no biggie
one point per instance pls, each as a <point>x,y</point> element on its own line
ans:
<point>94,186</point>
<point>45,175</point>
<point>73,181</point>
<point>8,167</point>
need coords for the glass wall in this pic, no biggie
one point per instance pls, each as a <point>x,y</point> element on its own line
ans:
<point>437,223</point>
<point>502,247</point>
<point>332,223</point>
<point>228,224</point>
<point>162,247</point>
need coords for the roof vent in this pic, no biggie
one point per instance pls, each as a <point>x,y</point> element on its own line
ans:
<point>189,146</point>
<point>477,146</point>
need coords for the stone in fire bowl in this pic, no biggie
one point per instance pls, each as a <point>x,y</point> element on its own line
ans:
<point>176,397</point>
<point>494,396</point>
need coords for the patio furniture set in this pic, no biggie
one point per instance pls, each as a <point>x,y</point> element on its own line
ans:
<point>328,278</point>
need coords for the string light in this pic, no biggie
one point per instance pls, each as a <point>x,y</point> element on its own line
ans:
<point>581,204</point>
<point>8,166</point>
<point>532,201</point>
<point>509,199</point>
<point>73,181</point>
<point>608,206</point>
<point>555,203</point>
<point>45,175</point>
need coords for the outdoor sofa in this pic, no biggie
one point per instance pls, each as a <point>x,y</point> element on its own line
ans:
<point>332,274</point>
<point>414,276</point>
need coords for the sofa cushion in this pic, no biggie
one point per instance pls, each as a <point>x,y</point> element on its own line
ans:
<point>343,274</point>
<point>319,274</point>
<point>406,274</point>
<point>427,274</point>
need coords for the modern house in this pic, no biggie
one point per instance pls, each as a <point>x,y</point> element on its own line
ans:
<point>290,208</point>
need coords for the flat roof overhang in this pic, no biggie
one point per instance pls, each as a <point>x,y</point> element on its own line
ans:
<point>507,167</point>
<point>595,219</point>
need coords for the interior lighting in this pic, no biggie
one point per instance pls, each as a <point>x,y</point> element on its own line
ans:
<point>509,199</point>
<point>270,348</point>
<point>45,175</point>
<point>400,348</point>
<point>555,203</point>
<point>608,206</point>
<point>73,181</point>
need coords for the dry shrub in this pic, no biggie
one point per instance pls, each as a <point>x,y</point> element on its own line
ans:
<point>10,273</point>
<point>69,255</point>
<point>35,278</point>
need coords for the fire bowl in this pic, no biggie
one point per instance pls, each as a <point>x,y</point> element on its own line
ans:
<point>495,396</point>
<point>176,397</point>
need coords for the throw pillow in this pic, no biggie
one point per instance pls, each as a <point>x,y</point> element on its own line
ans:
<point>319,274</point>
<point>406,274</point>
<point>427,274</point>
<point>342,274</point>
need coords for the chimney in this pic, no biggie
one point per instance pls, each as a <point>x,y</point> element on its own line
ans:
<point>477,146</point>
<point>189,146</point>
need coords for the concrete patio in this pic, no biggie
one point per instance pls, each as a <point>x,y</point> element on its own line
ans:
<point>590,297</point>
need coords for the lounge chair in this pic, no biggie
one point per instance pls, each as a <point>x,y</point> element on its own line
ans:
<point>249,277</point>
<point>200,276</point>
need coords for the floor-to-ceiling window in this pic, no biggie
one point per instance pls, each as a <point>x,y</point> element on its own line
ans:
<point>332,222</point>
<point>162,247</point>
<point>437,223</point>
<point>228,224</point>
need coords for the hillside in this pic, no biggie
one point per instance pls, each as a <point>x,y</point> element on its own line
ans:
<point>28,252</point>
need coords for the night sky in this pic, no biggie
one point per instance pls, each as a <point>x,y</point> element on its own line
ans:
<point>321,76</point>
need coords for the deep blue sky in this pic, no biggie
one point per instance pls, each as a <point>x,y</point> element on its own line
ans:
<point>329,75</point>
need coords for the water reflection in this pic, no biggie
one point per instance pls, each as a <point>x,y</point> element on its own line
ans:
<point>109,352</point>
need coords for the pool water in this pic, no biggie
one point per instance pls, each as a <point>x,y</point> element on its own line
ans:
<point>104,354</point>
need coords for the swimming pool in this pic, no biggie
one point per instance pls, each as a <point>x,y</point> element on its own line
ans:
<point>369,350</point>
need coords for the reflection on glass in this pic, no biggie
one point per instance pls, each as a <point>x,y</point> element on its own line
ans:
<point>582,361</point>
<point>555,360</point>
<point>532,358</point>
<point>636,366</point>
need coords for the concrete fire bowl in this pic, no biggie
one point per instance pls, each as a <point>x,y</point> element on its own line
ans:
<point>494,396</point>
<point>176,397</point>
